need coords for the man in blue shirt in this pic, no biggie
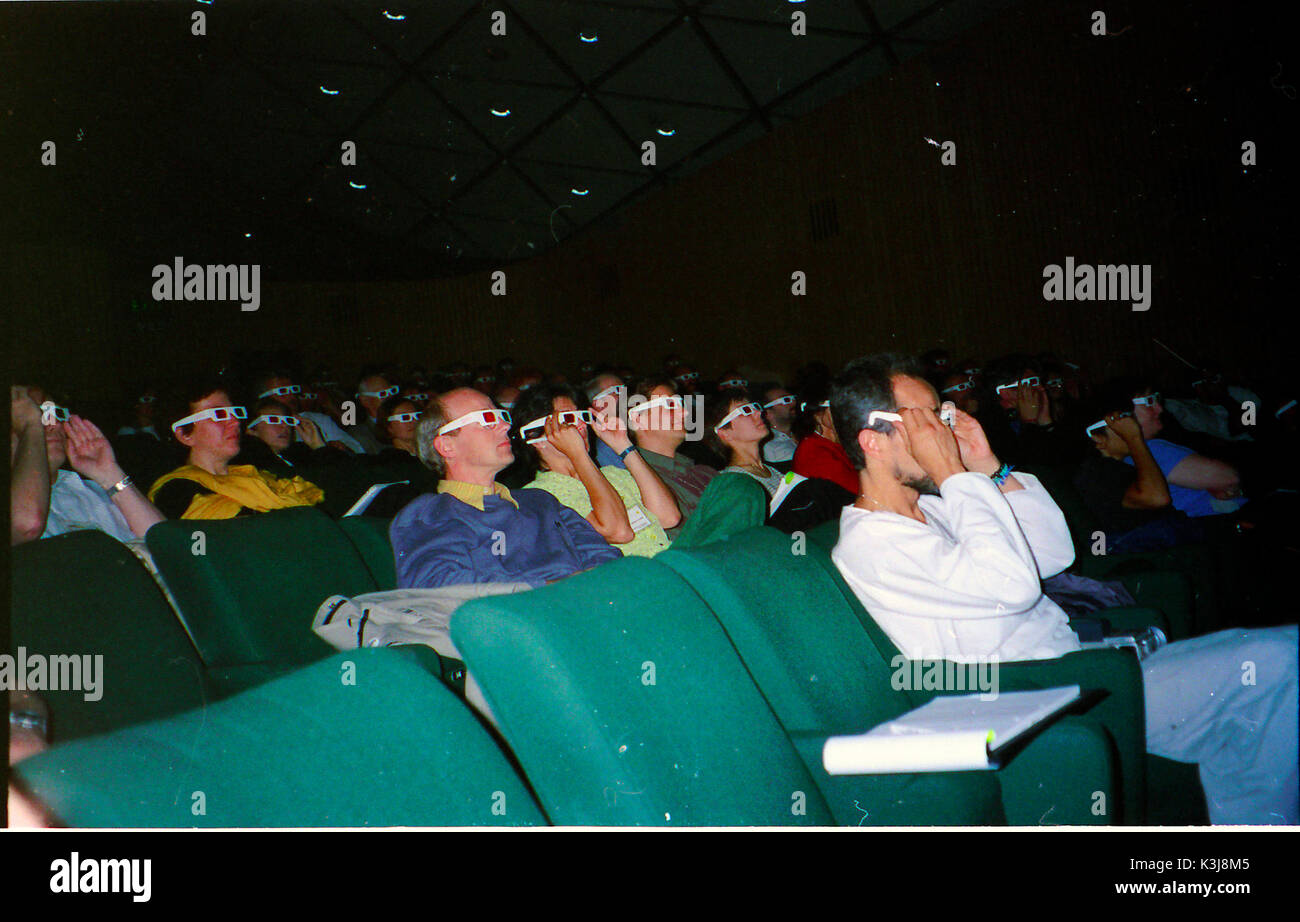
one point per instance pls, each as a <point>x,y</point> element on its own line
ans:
<point>474,530</point>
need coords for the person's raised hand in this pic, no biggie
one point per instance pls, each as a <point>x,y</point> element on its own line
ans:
<point>310,432</point>
<point>1028,403</point>
<point>89,453</point>
<point>612,431</point>
<point>931,443</point>
<point>565,437</point>
<point>973,444</point>
<point>24,413</point>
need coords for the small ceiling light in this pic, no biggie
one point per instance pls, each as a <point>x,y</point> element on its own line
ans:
<point>248,235</point>
<point>577,191</point>
<point>328,92</point>
<point>588,38</point>
<point>396,17</point>
<point>667,132</point>
<point>356,185</point>
<point>500,113</point>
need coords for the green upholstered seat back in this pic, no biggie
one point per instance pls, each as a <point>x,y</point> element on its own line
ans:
<point>731,503</point>
<point>250,596</point>
<point>626,704</point>
<point>369,535</point>
<point>86,593</point>
<point>363,738</point>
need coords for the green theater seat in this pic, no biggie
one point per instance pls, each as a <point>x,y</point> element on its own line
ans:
<point>363,738</point>
<point>248,599</point>
<point>369,535</point>
<point>1122,711</point>
<point>86,593</point>
<point>731,503</point>
<point>626,705</point>
<point>810,654</point>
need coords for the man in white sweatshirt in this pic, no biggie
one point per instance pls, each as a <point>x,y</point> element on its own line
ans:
<point>946,547</point>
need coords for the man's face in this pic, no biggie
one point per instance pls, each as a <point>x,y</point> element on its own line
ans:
<point>277,437</point>
<point>748,427</point>
<point>607,405</point>
<point>911,393</point>
<point>661,418</point>
<point>781,417</point>
<point>218,440</point>
<point>289,400</point>
<point>474,446</point>
<point>374,384</point>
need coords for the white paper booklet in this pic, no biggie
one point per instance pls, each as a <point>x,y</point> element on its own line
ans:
<point>368,497</point>
<point>957,733</point>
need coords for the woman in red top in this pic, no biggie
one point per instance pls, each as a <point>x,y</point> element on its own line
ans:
<point>819,453</point>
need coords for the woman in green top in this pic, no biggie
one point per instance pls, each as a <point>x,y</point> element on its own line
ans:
<point>630,508</point>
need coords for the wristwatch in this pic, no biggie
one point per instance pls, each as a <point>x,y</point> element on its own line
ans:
<point>626,451</point>
<point>119,486</point>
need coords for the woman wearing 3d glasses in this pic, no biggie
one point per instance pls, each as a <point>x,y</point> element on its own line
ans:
<point>208,486</point>
<point>735,428</point>
<point>631,507</point>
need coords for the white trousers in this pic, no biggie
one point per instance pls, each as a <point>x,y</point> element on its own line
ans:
<point>1228,701</point>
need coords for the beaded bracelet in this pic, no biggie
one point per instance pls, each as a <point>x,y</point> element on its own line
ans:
<point>1001,474</point>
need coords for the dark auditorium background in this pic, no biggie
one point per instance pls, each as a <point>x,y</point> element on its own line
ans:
<point>1123,148</point>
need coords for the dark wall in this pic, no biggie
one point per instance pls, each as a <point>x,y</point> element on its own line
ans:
<point>1114,149</point>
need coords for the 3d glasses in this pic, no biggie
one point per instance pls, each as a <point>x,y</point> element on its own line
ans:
<point>147,399</point>
<point>1031,381</point>
<point>1101,424</point>
<point>734,382</point>
<point>280,392</point>
<point>691,376</point>
<point>273,420</point>
<point>877,416</point>
<point>958,388</point>
<point>405,417</point>
<point>671,401</point>
<point>51,412</point>
<point>779,402</point>
<point>1056,382</point>
<point>310,395</point>
<point>216,414</point>
<point>824,405</point>
<point>1149,400</point>
<point>418,398</point>
<point>609,390</point>
<point>746,409</point>
<point>485,418</point>
<point>386,392</point>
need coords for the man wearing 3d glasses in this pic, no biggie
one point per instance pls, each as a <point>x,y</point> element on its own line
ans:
<point>373,388</point>
<point>946,549</point>
<point>208,485</point>
<point>47,500</point>
<point>1019,425</point>
<point>474,530</point>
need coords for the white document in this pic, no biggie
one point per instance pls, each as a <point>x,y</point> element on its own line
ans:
<point>956,733</point>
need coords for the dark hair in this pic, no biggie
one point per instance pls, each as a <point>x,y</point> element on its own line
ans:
<point>1116,395</point>
<point>277,408</point>
<point>864,385</point>
<point>716,406</point>
<point>1008,369</point>
<point>807,406</point>
<point>533,403</point>
<point>258,382</point>
<point>647,383</point>
<point>180,401</point>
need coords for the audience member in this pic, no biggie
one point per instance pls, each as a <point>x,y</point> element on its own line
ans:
<point>734,425</point>
<point>780,407</point>
<point>659,428</point>
<point>820,454</point>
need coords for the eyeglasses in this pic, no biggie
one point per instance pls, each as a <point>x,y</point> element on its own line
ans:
<point>272,420</point>
<point>571,417</point>
<point>779,402</point>
<point>484,379</point>
<point>958,388</point>
<point>671,401</point>
<point>485,418</point>
<point>691,376</point>
<point>280,392</point>
<point>940,363</point>
<point>1148,401</point>
<point>734,382</point>
<point>1102,424</point>
<point>405,417</point>
<point>309,395</point>
<point>417,398</point>
<point>824,405</point>
<point>1031,381</point>
<point>876,416</point>
<point>147,399</point>
<point>216,414</point>
<point>534,432</point>
<point>973,371</point>
<point>1055,382</point>
<point>748,409</point>
<point>51,409</point>
<point>386,392</point>
<point>609,390</point>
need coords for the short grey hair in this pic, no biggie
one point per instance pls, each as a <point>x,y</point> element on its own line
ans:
<point>434,418</point>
